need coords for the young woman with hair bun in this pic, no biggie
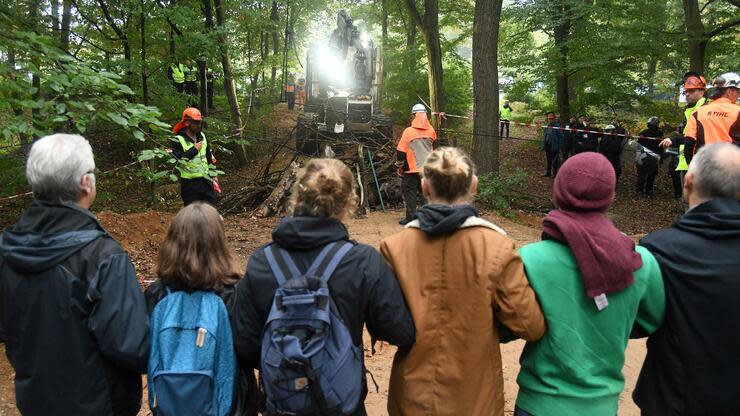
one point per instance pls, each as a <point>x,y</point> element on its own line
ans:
<point>460,275</point>
<point>363,287</point>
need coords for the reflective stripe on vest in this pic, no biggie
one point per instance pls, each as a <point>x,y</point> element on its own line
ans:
<point>682,165</point>
<point>178,73</point>
<point>690,110</point>
<point>197,167</point>
<point>191,74</point>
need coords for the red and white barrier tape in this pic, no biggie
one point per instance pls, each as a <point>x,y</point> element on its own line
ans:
<point>444,115</point>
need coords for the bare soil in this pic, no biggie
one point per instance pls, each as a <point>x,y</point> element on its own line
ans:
<point>141,234</point>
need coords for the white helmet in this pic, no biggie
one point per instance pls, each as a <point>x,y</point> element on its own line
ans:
<point>418,108</point>
<point>726,80</point>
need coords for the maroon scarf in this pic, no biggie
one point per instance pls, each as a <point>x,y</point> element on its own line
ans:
<point>606,258</point>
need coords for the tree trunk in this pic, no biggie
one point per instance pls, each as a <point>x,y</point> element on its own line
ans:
<point>695,35</point>
<point>562,81</point>
<point>274,32</point>
<point>171,37</point>
<point>229,84</point>
<point>485,85</point>
<point>54,5</point>
<point>383,46</point>
<point>66,21</point>
<point>429,26</point>
<point>142,32</point>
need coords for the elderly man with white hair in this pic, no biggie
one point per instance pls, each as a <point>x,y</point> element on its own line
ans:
<point>72,315</point>
<point>693,360</point>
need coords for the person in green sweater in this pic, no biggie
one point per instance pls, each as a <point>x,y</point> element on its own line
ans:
<point>594,286</point>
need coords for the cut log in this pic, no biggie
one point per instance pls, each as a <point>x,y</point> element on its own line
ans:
<point>275,203</point>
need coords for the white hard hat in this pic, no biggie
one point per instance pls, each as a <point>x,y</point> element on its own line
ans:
<point>418,108</point>
<point>726,80</point>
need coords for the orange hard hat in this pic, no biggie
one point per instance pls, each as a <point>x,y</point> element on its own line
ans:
<point>190,113</point>
<point>694,81</point>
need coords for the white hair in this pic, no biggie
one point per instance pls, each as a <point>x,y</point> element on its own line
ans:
<point>56,165</point>
<point>716,170</point>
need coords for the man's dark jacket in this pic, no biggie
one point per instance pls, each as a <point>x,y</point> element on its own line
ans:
<point>693,361</point>
<point>363,287</point>
<point>72,315</point>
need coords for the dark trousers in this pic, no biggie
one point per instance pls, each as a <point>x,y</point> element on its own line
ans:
<point>617,165</point>
<point>519,412</point>
<point>646,174</point>
<point>412,196</point>
<point>191,87</point>
<point>291,99</point>
<point>179,86</point>
<point>675,178</point>
<point>198,189</point>
<point>504,125</point>
<point>553,162</point>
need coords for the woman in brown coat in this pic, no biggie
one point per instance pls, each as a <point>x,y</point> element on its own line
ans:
<point>461,276</point>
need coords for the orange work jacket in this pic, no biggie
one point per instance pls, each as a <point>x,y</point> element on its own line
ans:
<point>716,122</point>
<point>416,144</point>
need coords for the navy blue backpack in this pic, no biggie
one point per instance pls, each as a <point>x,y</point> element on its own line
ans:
<point>192,365</point>
<point>309,364</point>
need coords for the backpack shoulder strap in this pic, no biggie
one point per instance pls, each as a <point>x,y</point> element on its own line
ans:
<point>278,264</point>
<point>329,259</point>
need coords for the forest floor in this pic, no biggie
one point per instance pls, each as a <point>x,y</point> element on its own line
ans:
<point>123,211</point>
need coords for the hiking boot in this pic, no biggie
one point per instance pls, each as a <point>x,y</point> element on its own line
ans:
<point>405,221</point>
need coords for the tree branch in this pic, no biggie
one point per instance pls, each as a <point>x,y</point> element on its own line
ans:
<point>92,22</point>
<point>414,12</point>
<point>705,6</point>
<point>111,22</point>
<point>722,28</point>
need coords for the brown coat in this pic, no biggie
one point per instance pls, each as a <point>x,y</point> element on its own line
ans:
<point>457,286</point>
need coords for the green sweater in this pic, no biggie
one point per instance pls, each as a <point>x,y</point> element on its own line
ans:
<point>576,368</point>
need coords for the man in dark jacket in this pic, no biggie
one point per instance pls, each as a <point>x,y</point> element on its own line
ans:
<point>552,144</point>
<point>72,314</point>
<point>363,287</point>
<point>611,148</point>
<point>588,139</point>
<point>692,364</point>
<point>648,157</point>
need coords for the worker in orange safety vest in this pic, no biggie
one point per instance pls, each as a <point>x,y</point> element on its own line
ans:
<point>416,144</point>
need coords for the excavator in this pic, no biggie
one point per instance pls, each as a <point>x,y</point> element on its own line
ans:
<point>341,91</point>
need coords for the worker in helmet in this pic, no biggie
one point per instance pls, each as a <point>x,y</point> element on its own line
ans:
<point>176,74</point>
<point>194,159</point>
<point>648,157</point>
<point>191,79</point>
<point>290,91</point>
<point>505,118</point>
<point>695,88</point>
<point>718,121</point>
<point>413,149</point>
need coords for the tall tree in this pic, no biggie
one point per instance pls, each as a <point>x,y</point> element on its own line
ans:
<point>485,85</point>
<point>699,35</point>
<point>428,24</point>
<point>229,84</point>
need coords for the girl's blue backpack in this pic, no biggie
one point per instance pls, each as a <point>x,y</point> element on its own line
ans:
<point>192,365</point>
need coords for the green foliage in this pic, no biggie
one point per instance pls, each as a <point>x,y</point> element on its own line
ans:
<point>72,96</point>
<point>499,191</point>
<point>14,175</point>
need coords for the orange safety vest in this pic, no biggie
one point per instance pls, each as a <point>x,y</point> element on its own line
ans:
<point>290,88</point>
<point>417,142</point>
<point>716,122</point>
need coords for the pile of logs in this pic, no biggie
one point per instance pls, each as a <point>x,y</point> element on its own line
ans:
<point>372,164</point>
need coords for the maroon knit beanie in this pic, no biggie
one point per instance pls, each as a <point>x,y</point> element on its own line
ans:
<point>585,182</point>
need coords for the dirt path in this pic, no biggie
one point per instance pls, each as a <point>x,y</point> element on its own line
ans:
<point>142,233</point>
